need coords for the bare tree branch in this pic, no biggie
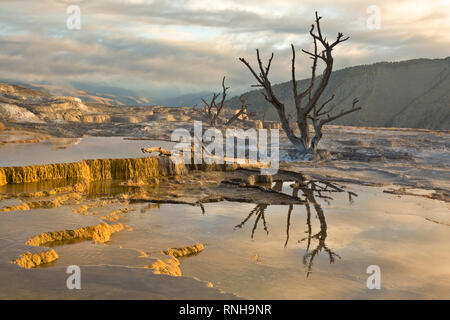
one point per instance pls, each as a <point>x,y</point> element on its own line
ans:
<point>212,110</point>
<point>343,113</point>
<point>310,111</point>
<point>241,112</point>
<point>324,104</point>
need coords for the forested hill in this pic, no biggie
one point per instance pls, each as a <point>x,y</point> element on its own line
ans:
<point>409,94</point>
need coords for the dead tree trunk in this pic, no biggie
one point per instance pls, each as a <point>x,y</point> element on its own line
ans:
<point>306,102</point>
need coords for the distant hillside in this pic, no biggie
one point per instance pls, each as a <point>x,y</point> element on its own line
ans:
<point>89,93</point>
<point>413,94</point>
<point>186,100</point>
<point>21,104</point>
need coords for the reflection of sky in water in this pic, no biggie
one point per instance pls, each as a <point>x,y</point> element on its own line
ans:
<point>413,253</point>
<point>76,150</point>
<point>375,229</point>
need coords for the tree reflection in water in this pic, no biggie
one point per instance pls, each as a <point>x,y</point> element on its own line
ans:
<point>310,191</point>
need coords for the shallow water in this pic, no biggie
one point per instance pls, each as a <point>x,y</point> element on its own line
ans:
<point>63,150</point>
<point>412,252</point>
<point>407,237</point>
<point>320,250</point>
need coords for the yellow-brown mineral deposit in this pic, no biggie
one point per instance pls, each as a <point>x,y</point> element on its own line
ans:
<point>186,251</point>
<point>29,260</point>
<point>99,233</point>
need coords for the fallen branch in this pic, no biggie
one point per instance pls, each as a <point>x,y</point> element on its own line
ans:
<point>160,150</point>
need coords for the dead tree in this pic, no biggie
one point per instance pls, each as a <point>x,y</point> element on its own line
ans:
<point>311,191</point>
<point>306,102</point>
<point>213,110</point>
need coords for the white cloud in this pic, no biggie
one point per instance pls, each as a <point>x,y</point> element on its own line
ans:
<point>185,45</point>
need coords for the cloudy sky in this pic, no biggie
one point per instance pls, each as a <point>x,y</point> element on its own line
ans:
<point>172,47</point>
